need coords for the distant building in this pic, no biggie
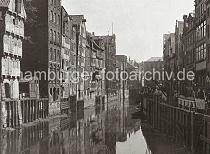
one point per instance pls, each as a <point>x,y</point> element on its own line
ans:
<point>153,64</point>
<point>121,65</point>
<point>179,62</point>
<point>188,53</point>
<point>81,41</point>
<point>110,62</point>
<point>95,65</point>
<point>178,44</point>
<point>170,61</point>
<point>65,53</point>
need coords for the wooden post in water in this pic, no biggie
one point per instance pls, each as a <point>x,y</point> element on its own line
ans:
<point>192,131</point>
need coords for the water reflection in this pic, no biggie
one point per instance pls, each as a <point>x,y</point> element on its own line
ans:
<point>99,130</point>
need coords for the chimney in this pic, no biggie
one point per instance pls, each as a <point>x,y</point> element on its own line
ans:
<point>185,17</point>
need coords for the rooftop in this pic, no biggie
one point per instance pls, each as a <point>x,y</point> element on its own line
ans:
<point>153,59</point>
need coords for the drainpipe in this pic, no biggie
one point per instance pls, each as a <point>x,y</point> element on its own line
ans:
<point>1,104</point>
<point>123,81</point>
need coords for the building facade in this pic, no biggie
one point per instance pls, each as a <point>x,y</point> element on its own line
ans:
<point>12,17</point>
<point>188,53</point>
<point>152,65</point>
<point>42,48</point>
<point>81,41</point>
<point>201,47</point>
<point>122,83</point>
<point>65,53</point>
<point>169,55</point>
<point>95,66</point>
<point>110,63</point>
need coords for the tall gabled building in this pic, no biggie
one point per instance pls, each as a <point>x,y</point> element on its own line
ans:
<point>81,41</point>
<point>12,16</point>
<point>201,46</point>
<point>110,62</point>
<point>188,52</point>
<point>66,28</point>
<point>95,66</point>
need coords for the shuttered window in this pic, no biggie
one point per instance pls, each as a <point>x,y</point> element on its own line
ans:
<point>18,6</point>
<point>1,18</point>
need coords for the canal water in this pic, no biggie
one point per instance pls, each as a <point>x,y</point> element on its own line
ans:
<point>105,129</point>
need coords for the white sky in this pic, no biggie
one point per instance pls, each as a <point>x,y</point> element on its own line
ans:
<point>139,25</point>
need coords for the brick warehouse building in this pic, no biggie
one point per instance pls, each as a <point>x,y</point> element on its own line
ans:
<point>42,47</point>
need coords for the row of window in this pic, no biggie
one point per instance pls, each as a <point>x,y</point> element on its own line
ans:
<point>1,15</point>
<point>10,89</point>
<point>12,45</point>
<point>54,36</point>
<point>16,6</point>
<point>190,40</point>
<point>14,25</point>
<point>10,67</point>
<point>201,52</point>
<point>200,10</point>
<point>190,57</point>
<point>55,55</point>
<point>55,2</point>
<point>54,17</point>
<point>65,64</point>
<point>66,42</point>
<point>201,31</point>
<point>54,94</point>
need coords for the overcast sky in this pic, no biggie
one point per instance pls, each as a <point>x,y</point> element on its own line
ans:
<point>138,24</point>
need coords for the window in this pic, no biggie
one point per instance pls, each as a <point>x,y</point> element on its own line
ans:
<point>51,35</point>
<point>54,94</point>
<point>58,56</point>
<point>51,15</point>
<point>58,37</point>
<point>204,51</point>
<point>7,90</point>
<point>55,18</point>
<point>62,64</point>
<point>58,20</point>
<point>51,54</point>
<point>1,17</point>
<point>201,53</point>
<point>54,37</point>
<point>18,6</point>
<point>54,55</point>
<point>204,29</point>
<point>201,31</point>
